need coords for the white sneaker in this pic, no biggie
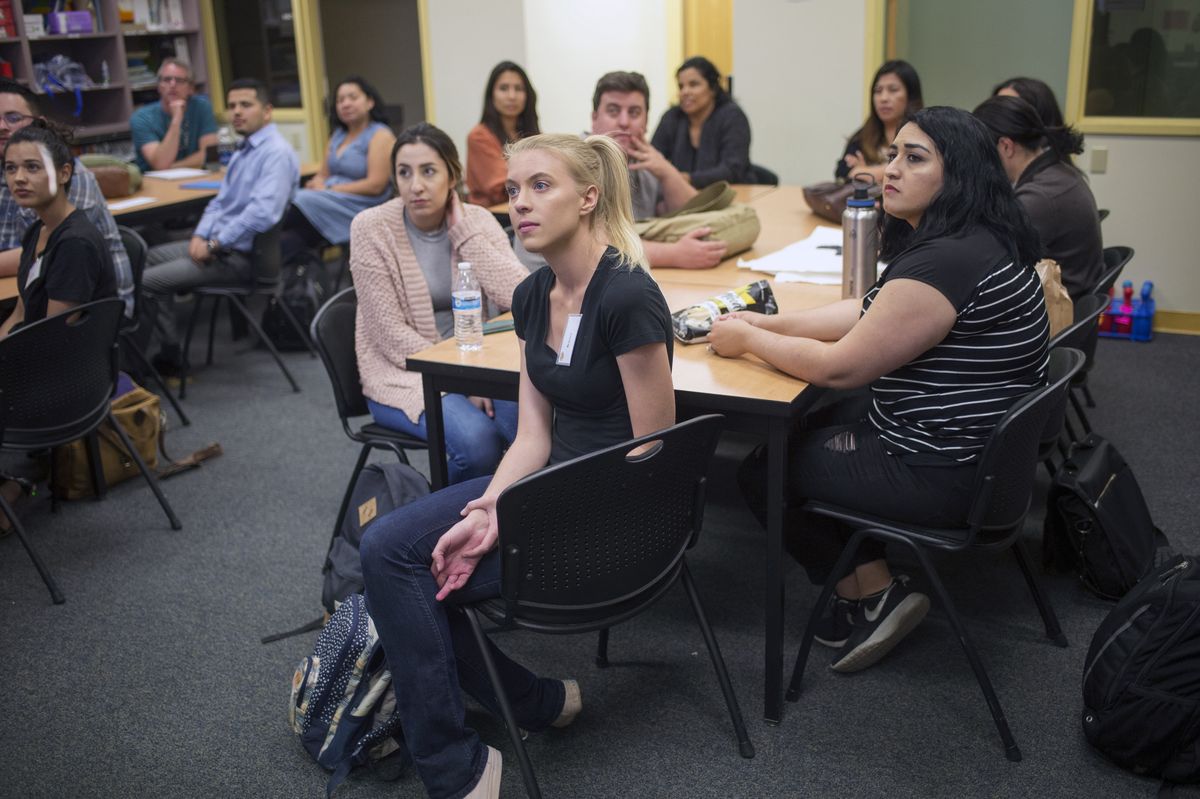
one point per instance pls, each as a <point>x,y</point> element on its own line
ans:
<point>488,786</point>
<point>572,704</point>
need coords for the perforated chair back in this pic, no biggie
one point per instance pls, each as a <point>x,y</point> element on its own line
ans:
<point>57,375</point>
<point>1115,259</point>
<point>1004,480</point>
<point>601,535</point>
<point>332,331</point>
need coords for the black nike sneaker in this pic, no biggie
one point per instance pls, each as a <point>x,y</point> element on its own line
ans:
<point>880,622</point>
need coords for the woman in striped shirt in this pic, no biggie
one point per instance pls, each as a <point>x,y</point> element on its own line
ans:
<point>952,334</point>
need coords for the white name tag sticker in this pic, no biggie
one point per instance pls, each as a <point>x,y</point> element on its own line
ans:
<point>568,342</point>
<point>34,271</point>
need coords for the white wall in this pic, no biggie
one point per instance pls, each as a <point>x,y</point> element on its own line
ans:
<point>564,47</point>
<point>569,45</point>
<point>1150,187</point>
<point>467,39</point>
<point>798,74</point>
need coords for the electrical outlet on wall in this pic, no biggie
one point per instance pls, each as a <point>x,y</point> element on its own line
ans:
<point>1099,161</point>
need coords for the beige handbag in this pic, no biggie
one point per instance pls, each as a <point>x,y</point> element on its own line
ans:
<point>733,223</point>
<point>1059,307</point>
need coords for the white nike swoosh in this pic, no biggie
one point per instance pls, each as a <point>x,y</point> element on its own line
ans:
<point>872,615</point>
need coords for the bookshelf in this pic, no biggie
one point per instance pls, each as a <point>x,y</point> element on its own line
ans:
<point>131,53</point>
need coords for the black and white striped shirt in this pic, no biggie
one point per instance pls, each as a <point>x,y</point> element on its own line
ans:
<point>942,406</point>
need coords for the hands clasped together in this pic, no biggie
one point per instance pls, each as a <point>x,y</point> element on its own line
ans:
<point>731,332</point>
<point>460,548</point>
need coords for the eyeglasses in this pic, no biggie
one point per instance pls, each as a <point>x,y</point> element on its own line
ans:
<point>173,79</point>
<point>12,119</point>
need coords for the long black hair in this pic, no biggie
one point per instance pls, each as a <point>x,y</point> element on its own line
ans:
<point>527,120</point>
<point>871,135</point>
<point>975,191</point>
<point>711,75</point>
<point>1013,118</point>
<point>377,113</point>
<point>53,138</point>
<point>1039,95</point>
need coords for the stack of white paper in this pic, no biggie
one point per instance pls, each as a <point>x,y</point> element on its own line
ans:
<point>177,173</point>
<point>816,259</point>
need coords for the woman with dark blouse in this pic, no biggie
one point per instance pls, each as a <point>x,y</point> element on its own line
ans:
<point>1055,194</point>
<point>706,136</point>
<point>595,341</point>
<point>1038,94</point>
<point>64,260</point>
<point>951,336</point>
<point>895,95</point>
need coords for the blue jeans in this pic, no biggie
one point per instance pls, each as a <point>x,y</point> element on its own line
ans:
<point>431,649</point>
<point>474,441</point>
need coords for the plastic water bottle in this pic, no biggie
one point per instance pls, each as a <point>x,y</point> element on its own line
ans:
<point>468,309</point>
<point>860,242</point>
<point>226,145</point>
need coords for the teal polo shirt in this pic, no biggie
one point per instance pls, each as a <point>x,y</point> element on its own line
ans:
<point>150,122</point>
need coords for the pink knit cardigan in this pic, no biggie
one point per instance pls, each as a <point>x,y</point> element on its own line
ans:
<point>395,313</point>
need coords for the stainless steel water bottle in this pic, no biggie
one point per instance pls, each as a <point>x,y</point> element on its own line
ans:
<point>860,242</point>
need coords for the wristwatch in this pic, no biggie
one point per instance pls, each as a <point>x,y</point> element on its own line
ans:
<point>213,246</point>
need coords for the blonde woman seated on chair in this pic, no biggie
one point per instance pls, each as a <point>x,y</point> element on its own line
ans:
<point>595,340</point>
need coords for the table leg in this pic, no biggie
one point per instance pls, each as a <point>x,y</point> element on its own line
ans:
<point>777,438</point>
<point>439,475</point>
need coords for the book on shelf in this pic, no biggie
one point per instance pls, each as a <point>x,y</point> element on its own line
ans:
<point>181,49</point>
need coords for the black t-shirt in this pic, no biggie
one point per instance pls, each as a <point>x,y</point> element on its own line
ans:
<point>940,408</point>
<point>75,266</point>
<point>623,309</point>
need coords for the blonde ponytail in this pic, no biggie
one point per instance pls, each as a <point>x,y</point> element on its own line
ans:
<point>597,161</point>
<point>614,211</point>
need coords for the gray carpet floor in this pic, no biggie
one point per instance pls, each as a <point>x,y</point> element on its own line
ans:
<point>151,681</point>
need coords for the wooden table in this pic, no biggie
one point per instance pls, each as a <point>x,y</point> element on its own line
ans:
<point>170,199</point>
<point>8,288</point>
<point>753,396</point>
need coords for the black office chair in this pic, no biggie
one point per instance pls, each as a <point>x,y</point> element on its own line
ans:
<point>267,283</point>
<point>594,541</point>
<point>1079,335</point>
<point>56,383</point>
<point>131,332</point>
<point>1102,214</point>
<point>760,175</point>
<point>1115,259</point>
<point>1001,494</point>
<point>333,332</point>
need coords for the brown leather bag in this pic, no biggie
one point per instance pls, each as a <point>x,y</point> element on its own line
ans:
<point>116,178</point>
<point>828,200</point>
<point>115,181</point>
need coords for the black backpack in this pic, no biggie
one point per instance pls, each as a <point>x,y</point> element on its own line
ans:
<point>1098,523</point>
<point>1141,679</point>
<point>379,489</point>
<point>305,289</point>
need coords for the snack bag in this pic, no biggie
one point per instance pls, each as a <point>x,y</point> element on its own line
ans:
<point>693,324</point>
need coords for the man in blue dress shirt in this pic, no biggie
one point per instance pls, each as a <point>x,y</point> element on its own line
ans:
<point>175,131</point>
<point>262,176</point>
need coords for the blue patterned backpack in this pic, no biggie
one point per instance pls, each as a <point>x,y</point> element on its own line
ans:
<point>343,707</point>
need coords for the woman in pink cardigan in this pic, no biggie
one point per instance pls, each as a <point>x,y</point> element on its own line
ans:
<point>403,255</point>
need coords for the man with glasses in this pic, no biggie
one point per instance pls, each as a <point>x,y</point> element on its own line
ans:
<point>18,108</point>
<point>176,130</point>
